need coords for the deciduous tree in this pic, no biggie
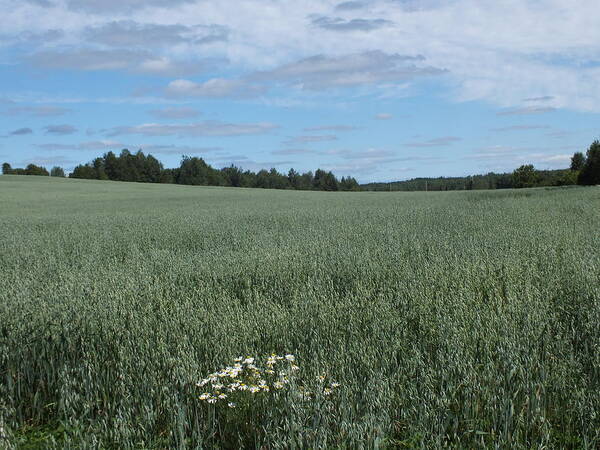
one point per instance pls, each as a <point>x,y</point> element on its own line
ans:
<point>577,161</point>
<point>590,172</point>
<point>57,172</point>
<point>525,176</point>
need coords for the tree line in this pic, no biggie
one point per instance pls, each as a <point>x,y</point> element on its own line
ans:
<point>138,167</point>
<point>32,169</point>
<point>524,176</point>
<point>584,170</point>
<point>142,168</point>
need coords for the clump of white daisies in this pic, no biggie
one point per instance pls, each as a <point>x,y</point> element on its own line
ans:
<point>250,377</point>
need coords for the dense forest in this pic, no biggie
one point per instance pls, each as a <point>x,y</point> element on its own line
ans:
<point>195,171</point>
<point>138,167</point>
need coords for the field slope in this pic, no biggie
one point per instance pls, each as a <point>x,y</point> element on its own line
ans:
<point>449,319</point>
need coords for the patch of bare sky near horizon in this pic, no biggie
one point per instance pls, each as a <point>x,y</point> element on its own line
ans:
<point>58,160</point>
<point>502,157</point>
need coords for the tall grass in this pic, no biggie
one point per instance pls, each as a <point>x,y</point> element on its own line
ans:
<point>467,320</point>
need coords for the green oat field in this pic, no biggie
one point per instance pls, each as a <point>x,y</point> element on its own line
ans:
<point>459,319</point>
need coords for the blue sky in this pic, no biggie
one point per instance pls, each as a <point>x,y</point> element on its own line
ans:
<point>377,89</point>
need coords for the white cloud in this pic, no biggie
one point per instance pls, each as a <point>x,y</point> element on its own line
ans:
<point>342,25</point>
<point>112,6</point>
<point>560,134</point>
<point>368,68</point>
<point>43,3</point>
<point>294,151</point>
<point>216,87</point>
<point>89,145</point>
<point>364,166</point>
<point>545,98</point>
<point>127,33</point>
<point>175,112</point>
<point>520,128</point>
<point>115,59</point>
<point>31,38</point>
<point>526,111</point>
<point>60,129</point>
<point>501,52</point>
<point>350,6</point>
<point>372,160</point>
<point>37,111</point>
<point>331,128</point>
<point>369,154</point>
<point>437,142</point>
<point>21,132</point>
<point>383,116</point>
<point>116,146</point>
<point>311,138</point>
<point>207,128</point>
